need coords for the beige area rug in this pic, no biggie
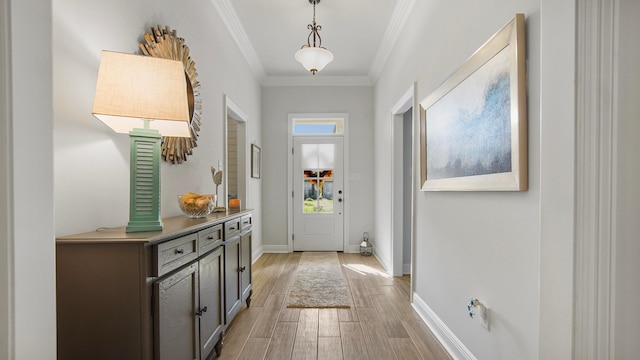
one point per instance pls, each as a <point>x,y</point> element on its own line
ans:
<point>318,282</point>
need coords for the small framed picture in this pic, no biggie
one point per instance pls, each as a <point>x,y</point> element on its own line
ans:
<point>255,161</point>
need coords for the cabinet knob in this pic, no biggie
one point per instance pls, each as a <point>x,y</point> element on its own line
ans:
<point>242,269</point>
<point>179,251</point>
<point>210,237</point>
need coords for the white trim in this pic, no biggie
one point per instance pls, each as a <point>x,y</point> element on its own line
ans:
<point>406,269</point>
<point>345,153</point>
<point>447,338</point>
<point>275,249</point>
<point>384,262</point>
<point>399,18</point>
<point>229,17</point>
<point>234,110</point>
<point>230,109</point>
<point>317,80</point>
<point>595,184</point>
<point>257,254</point>
<point>406,102</point>
<point>7,326</point>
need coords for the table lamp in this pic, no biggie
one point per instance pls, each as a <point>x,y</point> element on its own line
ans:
<point>145,97</point>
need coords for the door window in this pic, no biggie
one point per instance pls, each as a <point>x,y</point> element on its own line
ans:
<point>317,170</point>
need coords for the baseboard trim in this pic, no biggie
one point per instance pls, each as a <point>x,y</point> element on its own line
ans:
<point>257,254</point>
<point>354,249</point>
<point>406,269</point>
<point>284,249</point>
<point>275,249</point>
<point>447,338</point>
<point>386,264</point>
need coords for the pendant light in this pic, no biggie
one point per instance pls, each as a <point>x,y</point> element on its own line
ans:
<point>313,56</point>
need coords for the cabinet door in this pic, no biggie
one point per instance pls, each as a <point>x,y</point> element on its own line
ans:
<point>176,328</point>
<point>245,266</point>
<point>211,310</point>
<point>232,278</point>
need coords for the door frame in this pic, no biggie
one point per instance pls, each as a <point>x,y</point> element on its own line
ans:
<point>231,110</point>
<point>398,110</point>
<point>345,163</point>
<point>595,179</point>
<point>7,313</point>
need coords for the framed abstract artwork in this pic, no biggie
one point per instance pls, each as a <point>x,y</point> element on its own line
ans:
<point>473,127</point>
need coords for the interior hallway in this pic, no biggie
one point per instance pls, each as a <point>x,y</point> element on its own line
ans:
<point>382,325</point>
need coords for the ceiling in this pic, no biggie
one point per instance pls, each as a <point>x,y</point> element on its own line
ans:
<point>359,33</point>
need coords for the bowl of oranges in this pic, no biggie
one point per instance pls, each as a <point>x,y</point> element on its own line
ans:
<point>195,205</point>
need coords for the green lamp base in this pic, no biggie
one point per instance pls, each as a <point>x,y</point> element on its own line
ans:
<point>140,226</point>
<point>144,193</point>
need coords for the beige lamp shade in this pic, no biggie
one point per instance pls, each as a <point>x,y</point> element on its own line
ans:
<point>134,88</point>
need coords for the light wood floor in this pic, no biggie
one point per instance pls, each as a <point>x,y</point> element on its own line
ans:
<point>383,325</point>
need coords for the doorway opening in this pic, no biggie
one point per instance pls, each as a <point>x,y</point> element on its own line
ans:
<point>402,130</point>
<point>235,153</point>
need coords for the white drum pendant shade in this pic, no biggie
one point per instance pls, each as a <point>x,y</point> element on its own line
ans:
<point>314,58</point>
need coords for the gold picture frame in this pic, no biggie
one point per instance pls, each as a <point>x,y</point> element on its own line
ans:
<point>473,127</point>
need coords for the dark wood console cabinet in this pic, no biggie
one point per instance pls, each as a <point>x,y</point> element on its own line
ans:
<point>163,295</point>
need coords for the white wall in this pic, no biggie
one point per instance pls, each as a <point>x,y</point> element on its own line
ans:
<point>557,142</point>
<point>6,188</point>
<point>627,172</point>
<point>91,161</point>
<point>481,244</point>
<point>277,103</point>
<point>31,267</point>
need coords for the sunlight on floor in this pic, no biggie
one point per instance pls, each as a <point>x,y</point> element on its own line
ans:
<point>366,270</point>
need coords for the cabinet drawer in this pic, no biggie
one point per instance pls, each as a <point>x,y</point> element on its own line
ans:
<point>209,238</point>
<point>232,228</point>
<point>246,222</point>
<point>172,254</point>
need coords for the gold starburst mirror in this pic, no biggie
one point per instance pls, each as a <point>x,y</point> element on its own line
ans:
<point>165,43</point>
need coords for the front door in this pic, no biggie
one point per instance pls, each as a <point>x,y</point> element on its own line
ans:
<point>318,198</point>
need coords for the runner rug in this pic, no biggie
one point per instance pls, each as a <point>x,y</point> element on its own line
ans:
<point>318,282</point>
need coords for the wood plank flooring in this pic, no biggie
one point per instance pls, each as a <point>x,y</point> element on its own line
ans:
<point>382,325</point>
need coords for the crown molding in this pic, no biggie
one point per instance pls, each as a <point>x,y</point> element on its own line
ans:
<point>317,80</point>
<point>230,19</point>
<point>399,17</point>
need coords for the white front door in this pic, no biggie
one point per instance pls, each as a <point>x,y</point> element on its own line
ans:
<point>318,194</point>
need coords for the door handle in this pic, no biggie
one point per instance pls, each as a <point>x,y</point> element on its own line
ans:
<point>201,311</point>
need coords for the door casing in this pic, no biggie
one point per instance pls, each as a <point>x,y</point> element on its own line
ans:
<point>231,110</point>
<point>403,104</point>
<point>319,116</point>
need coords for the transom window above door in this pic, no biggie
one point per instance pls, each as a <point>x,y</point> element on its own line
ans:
<point>318,127</point>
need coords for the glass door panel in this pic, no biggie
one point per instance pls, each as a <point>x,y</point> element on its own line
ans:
<point>318,205</point>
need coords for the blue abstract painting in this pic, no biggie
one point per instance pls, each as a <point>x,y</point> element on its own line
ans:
<point>468,130</point>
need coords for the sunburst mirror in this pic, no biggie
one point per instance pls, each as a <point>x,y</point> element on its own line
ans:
<point>165,43</point>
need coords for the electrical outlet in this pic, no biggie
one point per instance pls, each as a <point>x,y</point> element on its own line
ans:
<point>477,309</point>
<point>484,317</point>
